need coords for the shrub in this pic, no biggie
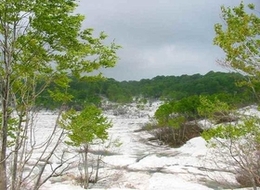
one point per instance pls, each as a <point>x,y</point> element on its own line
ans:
<point>176,137</point>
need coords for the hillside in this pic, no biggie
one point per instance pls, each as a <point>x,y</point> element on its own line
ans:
<point>88,90</point>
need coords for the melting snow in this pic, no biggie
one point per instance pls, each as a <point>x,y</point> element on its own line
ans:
<point>136,163</point>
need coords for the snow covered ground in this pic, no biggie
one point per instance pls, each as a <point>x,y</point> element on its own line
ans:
<point>131,161</point>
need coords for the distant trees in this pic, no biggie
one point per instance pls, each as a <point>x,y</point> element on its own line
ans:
<point>41,44</point>
<point>161,87</point>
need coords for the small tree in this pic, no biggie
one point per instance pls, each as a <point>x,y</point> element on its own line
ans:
<point>83,128</point>
<point>177,120</point>
<point>213,109</point>
<point>238,143</point>
<point>239,38</point>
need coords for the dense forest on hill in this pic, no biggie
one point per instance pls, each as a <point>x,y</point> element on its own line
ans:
<point>159,87</point>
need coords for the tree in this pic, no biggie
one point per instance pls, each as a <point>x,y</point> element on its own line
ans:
<point>213,109</point>
<point>41,42</point>
<point>177,120</point>
<point>239,39</point>
<point>236,142</point>
<point>83,128</point>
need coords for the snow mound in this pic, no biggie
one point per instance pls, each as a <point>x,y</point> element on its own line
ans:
<point>161,181</point>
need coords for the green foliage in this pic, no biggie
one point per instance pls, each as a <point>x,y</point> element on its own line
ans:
<point>177,113</point>
<point>239,39</point>
<point>187,106</point>
<point>174,113</point>
<point>176,122</point>
<point>210,107</point>
<point>174,117</point>
<point>247,126</point>
<point>12,131</point>
<point>163,113</point>
<point>42,44</point>
<point>164,87</point>
<point>85,126</point>
<point>47,44</point>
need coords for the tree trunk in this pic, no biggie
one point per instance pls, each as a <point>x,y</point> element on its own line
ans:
<point>15,180</point>
<point>3,181</point>
<point>3,135</point>
<point>97,169</point>
<point>86,175</point>
<point>6,55</point>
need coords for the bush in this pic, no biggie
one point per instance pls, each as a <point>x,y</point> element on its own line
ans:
<point>176,137</point>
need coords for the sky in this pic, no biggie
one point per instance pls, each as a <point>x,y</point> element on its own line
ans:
<point>158,37</point>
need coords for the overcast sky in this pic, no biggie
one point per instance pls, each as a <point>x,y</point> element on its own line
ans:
<point>158,37</point>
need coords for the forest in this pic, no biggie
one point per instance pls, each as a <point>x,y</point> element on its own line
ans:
<point>227,86</point>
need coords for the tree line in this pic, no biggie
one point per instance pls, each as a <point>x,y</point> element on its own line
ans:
<point>89,90</point>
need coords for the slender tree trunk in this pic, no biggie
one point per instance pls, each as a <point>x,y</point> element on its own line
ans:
<point>5,114</point>
<point>6,58</point>
<point>15,183</point>
<point>97,169</point>
<point>3,184</point>
<point>3,134</point>
<point>86,174</point>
